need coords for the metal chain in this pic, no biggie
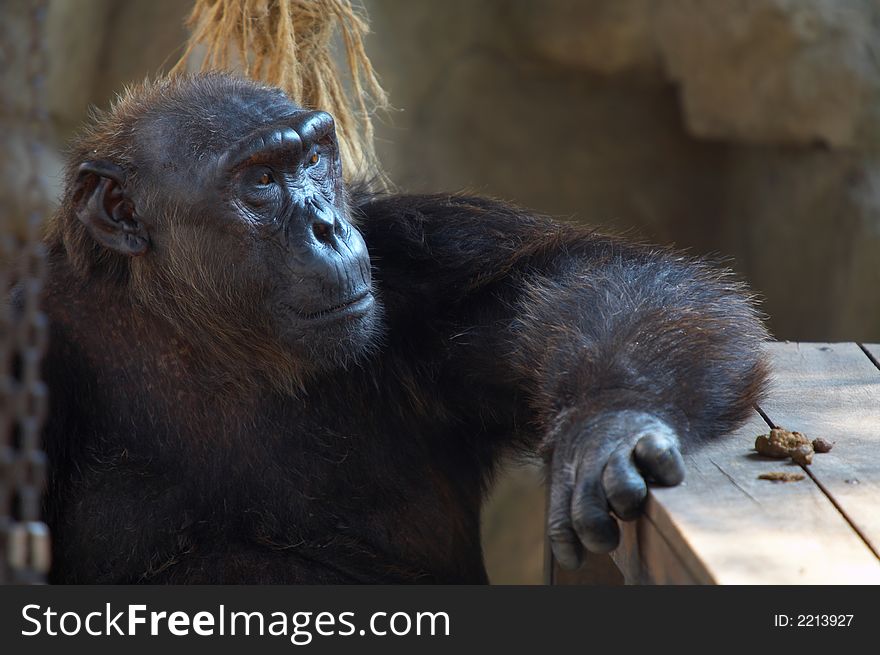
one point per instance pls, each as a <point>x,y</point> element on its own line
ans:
<point>24,537</point>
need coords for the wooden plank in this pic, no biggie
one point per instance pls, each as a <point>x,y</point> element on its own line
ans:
<point>645,556</point>
<point>597,570</point>
<point>873,350</point>
<point>833,391</point>
<point>725,526</point>
<point>726,523</point>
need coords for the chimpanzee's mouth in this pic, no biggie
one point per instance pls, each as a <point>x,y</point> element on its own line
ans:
<point>357,305</point>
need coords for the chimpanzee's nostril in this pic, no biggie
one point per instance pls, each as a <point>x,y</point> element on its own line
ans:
<point>323,231</point>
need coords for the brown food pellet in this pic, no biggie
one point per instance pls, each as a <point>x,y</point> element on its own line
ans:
<point>780,476</point>
<point>783,443</point>
<point>802,455</point>
<point>770,448</point>
<point>788,439</point>
<point>822,445</point>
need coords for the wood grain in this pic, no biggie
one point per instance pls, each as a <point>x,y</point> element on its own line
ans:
<point>833,391</point>
<point>873,351</point>
<point>646,556</point>
<point>597,570</point>
<point>743,530</point>
<point>726,526</point>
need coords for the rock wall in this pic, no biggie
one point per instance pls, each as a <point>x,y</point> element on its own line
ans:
<point>749,129</point>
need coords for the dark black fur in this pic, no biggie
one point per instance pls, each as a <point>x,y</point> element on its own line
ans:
<point>176,461</point>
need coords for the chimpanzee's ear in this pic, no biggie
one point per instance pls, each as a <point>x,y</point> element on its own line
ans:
<point>103,206</point>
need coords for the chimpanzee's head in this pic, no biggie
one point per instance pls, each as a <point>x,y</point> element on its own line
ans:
<point>217,204</point>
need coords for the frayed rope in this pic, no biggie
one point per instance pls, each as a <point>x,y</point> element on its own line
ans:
<point>286,43</point>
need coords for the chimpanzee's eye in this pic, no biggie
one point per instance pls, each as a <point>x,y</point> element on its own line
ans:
<point>258,185</point>
<point>259,177</point>
<point>315,158</point>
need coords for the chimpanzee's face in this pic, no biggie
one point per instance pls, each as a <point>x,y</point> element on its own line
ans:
<point>241,200</point>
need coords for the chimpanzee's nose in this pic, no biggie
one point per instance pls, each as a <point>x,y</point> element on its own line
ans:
<point>325,223</point>
<point>324,228</point>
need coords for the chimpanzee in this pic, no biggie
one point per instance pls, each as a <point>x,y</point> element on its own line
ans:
<point>260,374</point>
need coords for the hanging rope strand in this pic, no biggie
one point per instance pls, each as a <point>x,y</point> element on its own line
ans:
<point>286,43</point>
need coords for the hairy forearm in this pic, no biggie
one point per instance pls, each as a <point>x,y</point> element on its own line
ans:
<point>643,330</point>
<point>574,320</point>
<point>611,355</point>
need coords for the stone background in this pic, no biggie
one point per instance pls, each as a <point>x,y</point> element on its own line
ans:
<point>745,129</point>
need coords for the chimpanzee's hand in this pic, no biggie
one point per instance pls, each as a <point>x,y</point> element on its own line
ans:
<point>602,468</point>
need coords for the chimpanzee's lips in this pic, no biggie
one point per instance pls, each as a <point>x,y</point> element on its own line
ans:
<point>355,306</point>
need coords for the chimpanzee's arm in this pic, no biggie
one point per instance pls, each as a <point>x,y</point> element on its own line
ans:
<point>622,353</point>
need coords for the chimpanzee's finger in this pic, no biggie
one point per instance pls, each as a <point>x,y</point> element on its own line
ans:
<point>623,484</point>
<point>590,515</point>
<point>564,543</point>
<point>658,456</point>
